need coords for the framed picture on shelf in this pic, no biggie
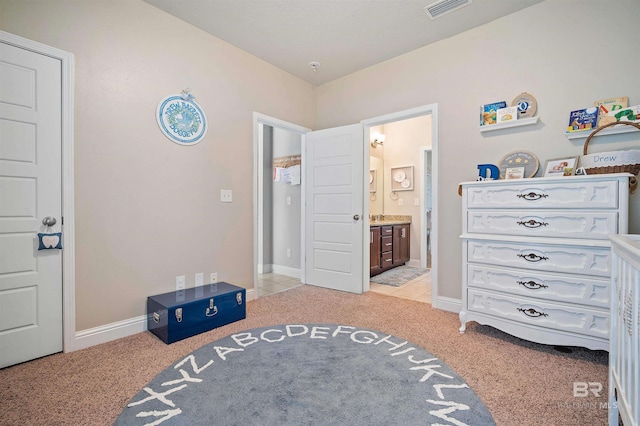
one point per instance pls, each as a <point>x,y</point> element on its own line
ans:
<point>561,167</point>
<point>402,178</point>
<point>514,173</point>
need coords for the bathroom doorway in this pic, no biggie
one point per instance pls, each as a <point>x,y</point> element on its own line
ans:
<point>409,141</point>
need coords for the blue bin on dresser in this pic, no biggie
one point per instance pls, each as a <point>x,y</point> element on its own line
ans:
<point>180,314</point>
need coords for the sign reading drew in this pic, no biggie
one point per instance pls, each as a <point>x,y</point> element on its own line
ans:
<point>181,119</point>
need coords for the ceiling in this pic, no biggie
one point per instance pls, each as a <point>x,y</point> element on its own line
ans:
<point>343,36</point>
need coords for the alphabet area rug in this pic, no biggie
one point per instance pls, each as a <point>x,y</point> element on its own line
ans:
<point>307,374</point>
<point>398,276</point>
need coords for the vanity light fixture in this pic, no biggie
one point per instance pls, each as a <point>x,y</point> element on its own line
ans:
<point>377,139</point>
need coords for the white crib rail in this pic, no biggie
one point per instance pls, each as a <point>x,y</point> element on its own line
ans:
<point>624,353</point>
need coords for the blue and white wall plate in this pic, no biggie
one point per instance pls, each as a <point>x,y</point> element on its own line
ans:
<point>181,119</point>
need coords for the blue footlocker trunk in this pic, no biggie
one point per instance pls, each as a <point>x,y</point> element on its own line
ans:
<point>184,313</point>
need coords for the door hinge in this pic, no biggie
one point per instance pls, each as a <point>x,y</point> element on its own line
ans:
<point>61,220</point>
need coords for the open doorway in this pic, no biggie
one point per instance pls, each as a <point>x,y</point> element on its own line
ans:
<point>260,120</point>
<point>278,207</point>
<point>409,144</point>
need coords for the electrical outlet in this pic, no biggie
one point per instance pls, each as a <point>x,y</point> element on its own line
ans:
<point>180,282</point>
<point>400,202</point>
<point>416,201</point>
<point>213,278</point>
<point>226,196</point>
<point>288,252</point>
<point>199,279</point>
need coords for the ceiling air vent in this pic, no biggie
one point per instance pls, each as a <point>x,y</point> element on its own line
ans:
<point>442,7</point>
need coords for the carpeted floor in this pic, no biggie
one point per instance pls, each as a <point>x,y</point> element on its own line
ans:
<point>398,276</point>
<point>519,382</point>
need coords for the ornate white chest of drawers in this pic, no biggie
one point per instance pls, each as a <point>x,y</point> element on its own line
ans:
<point>536,256</point>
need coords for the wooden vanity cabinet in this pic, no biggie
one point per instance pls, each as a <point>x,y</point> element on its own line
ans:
<point>374,250</point>
<point>400,244</point>
<point>389,247</point>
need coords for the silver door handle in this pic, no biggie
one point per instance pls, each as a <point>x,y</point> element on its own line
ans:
<point>49,221</point>
<point>356,217</point>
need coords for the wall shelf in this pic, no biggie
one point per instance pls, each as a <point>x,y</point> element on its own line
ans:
<point>610,131</point>
<point>516,123</point>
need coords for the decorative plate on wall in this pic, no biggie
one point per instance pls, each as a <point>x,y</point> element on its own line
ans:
<point>520,159</point>
<point>181,119</point>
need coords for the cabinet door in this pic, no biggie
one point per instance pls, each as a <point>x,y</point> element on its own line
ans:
<point>405,245</point>
<point>374,250</point>
<point>400,244</point>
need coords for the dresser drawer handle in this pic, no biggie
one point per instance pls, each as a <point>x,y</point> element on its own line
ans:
<point>532,196</point>
<point>531,257</point>
<point>532,313</point>
<point>532,223</point>
<point>532,285</point>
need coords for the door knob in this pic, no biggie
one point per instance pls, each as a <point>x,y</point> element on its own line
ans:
<point>356,217</point>
<point>49,221</point>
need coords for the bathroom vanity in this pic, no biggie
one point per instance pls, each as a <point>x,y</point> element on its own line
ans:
<point>389,243</point>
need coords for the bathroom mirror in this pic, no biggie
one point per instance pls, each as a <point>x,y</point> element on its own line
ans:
<point>376,187</point>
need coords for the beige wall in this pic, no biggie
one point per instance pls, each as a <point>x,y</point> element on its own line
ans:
<point>566,53</point>
<point>402,147</point>
<point>148,209</point>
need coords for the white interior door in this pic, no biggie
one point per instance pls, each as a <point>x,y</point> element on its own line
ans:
<point>30,190</point>
<point>334,208</point>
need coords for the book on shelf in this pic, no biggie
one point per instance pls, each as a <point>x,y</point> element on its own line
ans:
<point>504,115</point>
<point>488,112</point>
<point>606,106</point>
<point>631,114</point>
<point>583,120</point>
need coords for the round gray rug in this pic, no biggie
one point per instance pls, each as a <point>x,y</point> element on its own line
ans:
<point>307,374</point>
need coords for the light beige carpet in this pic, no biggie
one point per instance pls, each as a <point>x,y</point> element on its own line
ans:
<point>519,382</point>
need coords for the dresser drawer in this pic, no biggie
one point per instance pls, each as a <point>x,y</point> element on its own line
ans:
<point>386,243</point>
<point>540,313</point>
<point>552,287</point>
<point>538,194</point>
<point>386,231</point>
<point>387,259</point>
<point>544,223</point>
<point>575,259</point>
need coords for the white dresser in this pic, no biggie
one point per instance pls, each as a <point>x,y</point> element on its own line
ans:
<point>536,257</point>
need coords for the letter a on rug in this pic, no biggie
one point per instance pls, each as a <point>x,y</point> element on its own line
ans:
<point>307,374</point>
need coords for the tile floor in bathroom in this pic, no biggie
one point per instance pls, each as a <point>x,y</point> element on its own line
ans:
<point>418,289</point>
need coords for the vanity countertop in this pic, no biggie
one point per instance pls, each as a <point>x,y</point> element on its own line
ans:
<point>387,220</point>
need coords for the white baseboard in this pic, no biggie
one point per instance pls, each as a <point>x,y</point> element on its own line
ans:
<point>285,270</point>
<point>108,332</point>
<point>447,304</point>
<point>413,263</point>
<point>265,269</point>
<point>117,330</point>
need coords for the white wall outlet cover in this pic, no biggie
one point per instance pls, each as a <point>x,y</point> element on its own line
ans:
<point>180,282</point>
<point>226,195</point>
<point>199,279</point>
<point>213,278</point>
<point>416,201</point>
<point>400,202</point>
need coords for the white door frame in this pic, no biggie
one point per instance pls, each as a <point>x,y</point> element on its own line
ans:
<point>259,120</point>
<point>431,109</point>
<point>68,254</point>
<point>423,205</point>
